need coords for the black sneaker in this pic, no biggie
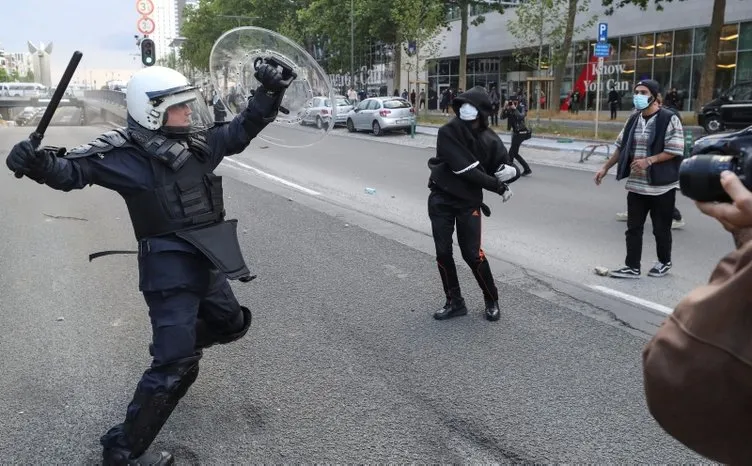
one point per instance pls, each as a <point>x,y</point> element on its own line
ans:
<point>625,272</point>
<point>660,269</point>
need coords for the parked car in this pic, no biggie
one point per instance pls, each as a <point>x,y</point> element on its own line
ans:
<point>25,116</point>
<point>381,114</point>
<point>732,110</point>
<point>319,111</point>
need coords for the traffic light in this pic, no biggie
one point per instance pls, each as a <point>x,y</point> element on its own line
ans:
<point>147,52</point>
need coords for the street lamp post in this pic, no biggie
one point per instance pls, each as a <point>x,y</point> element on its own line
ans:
<point>352,43</point>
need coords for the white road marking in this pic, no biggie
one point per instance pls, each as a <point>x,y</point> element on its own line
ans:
<point>274,178</point>
<point>634,299</point>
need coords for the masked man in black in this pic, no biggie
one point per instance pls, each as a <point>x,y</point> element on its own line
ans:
<point>469,157</point>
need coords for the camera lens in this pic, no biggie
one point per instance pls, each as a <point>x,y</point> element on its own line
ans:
<point>700,177</point>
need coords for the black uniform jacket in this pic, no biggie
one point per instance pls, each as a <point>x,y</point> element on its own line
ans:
<point>467,158</point>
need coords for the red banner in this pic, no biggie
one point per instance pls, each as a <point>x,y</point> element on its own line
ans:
<point>587,74</point>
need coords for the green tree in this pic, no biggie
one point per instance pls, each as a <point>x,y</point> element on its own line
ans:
<point>419,21</point>
<point>464,6</point>
<point>4,76</point>
<point>201,29</point>
<point>341,33</point>
<point>29,78</point>
<point>541,23</point>
<point>707,79</point>
<point>205,23</point>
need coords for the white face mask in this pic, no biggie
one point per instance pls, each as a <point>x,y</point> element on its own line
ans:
<point>468,112</point>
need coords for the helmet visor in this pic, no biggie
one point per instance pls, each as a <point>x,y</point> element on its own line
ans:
<point>185,112</point>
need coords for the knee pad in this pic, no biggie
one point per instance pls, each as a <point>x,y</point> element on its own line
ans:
<point>206,338</point>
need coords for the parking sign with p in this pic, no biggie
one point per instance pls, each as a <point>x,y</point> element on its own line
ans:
<point>602,32</point>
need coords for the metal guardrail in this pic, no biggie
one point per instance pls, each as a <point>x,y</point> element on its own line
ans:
<point>106,95</point>
<point>592,148</point>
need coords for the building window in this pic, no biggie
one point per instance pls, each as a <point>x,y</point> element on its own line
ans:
<point>701,40</point>
<point>683,42</point>
<point>729,36</point>
<point>646,45</point>
<point>744,67</point>
<point>627,51</point>
<point>644,69</point>
<point>725,70</point>
<point>745,36</point>
<point>680,74</point>
<point>664,42</point>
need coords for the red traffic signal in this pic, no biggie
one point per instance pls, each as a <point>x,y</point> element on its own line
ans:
<point>148,56</point>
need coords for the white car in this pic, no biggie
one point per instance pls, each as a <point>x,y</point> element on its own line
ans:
<point>381,114</point>
<point>319,110</point>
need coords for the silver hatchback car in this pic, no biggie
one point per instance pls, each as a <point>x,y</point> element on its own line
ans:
<point>319,111</point>
<point>381,114</point>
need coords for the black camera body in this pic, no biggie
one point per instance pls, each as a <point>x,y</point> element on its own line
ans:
<point>700,174</point>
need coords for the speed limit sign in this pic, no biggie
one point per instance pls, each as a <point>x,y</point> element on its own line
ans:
<point>144,7</point>
<point>145,25</point>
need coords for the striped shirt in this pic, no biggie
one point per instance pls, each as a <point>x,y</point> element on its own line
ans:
<point>673,144</point>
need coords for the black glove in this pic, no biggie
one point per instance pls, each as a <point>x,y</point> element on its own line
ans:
<point>501,187</point>
<point>504,191</point>
<point>272,79</point>
<point>33,163</point>
<point>267,99</point>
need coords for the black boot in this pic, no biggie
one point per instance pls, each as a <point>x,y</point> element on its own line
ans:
<point>492,310</point>
<point>118,457</point>
<point>454,306</point>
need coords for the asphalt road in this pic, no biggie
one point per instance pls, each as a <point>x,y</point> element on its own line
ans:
<point>343,362</point>
<point>558,223</point>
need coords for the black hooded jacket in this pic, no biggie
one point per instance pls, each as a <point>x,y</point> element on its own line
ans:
<point>466,159</point>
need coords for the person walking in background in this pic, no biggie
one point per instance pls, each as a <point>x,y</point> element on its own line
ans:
<point>495,103</point>
<point>520,132</point>
<point>613,101</point>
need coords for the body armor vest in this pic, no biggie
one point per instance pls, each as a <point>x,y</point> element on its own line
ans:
<point>186,193</point>
<point>183,199</point>
<point>186,199</point>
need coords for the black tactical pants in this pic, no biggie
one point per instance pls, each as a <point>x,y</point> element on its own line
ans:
<point>180,288</point>
<point>514,151</point>
<point>445,211</point>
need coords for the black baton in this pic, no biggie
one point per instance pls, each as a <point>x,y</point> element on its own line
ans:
<point>37,136</point>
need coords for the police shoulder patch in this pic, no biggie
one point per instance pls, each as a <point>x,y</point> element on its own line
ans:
<point>101,145</point>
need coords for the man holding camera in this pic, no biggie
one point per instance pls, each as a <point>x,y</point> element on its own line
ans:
<point>696,368</point>
<point>649,150</point>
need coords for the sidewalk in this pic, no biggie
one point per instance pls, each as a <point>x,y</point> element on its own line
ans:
<point>604,122</point>
<point>541,142</point>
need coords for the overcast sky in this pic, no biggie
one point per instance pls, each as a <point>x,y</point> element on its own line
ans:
<point>101,29</point>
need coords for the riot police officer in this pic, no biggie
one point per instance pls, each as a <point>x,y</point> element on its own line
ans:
<point>162,165</point>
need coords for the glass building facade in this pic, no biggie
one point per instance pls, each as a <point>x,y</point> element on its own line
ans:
<point>674,58</point>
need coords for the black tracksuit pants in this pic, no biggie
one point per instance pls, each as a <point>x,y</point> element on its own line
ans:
<point>514,151</point>
<point>445,211</point>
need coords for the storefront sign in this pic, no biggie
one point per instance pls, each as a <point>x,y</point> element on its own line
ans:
<point>377,75</point>
<point>609,74</point>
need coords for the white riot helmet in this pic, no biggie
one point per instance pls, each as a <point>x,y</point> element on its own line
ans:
<point>154,90</point>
